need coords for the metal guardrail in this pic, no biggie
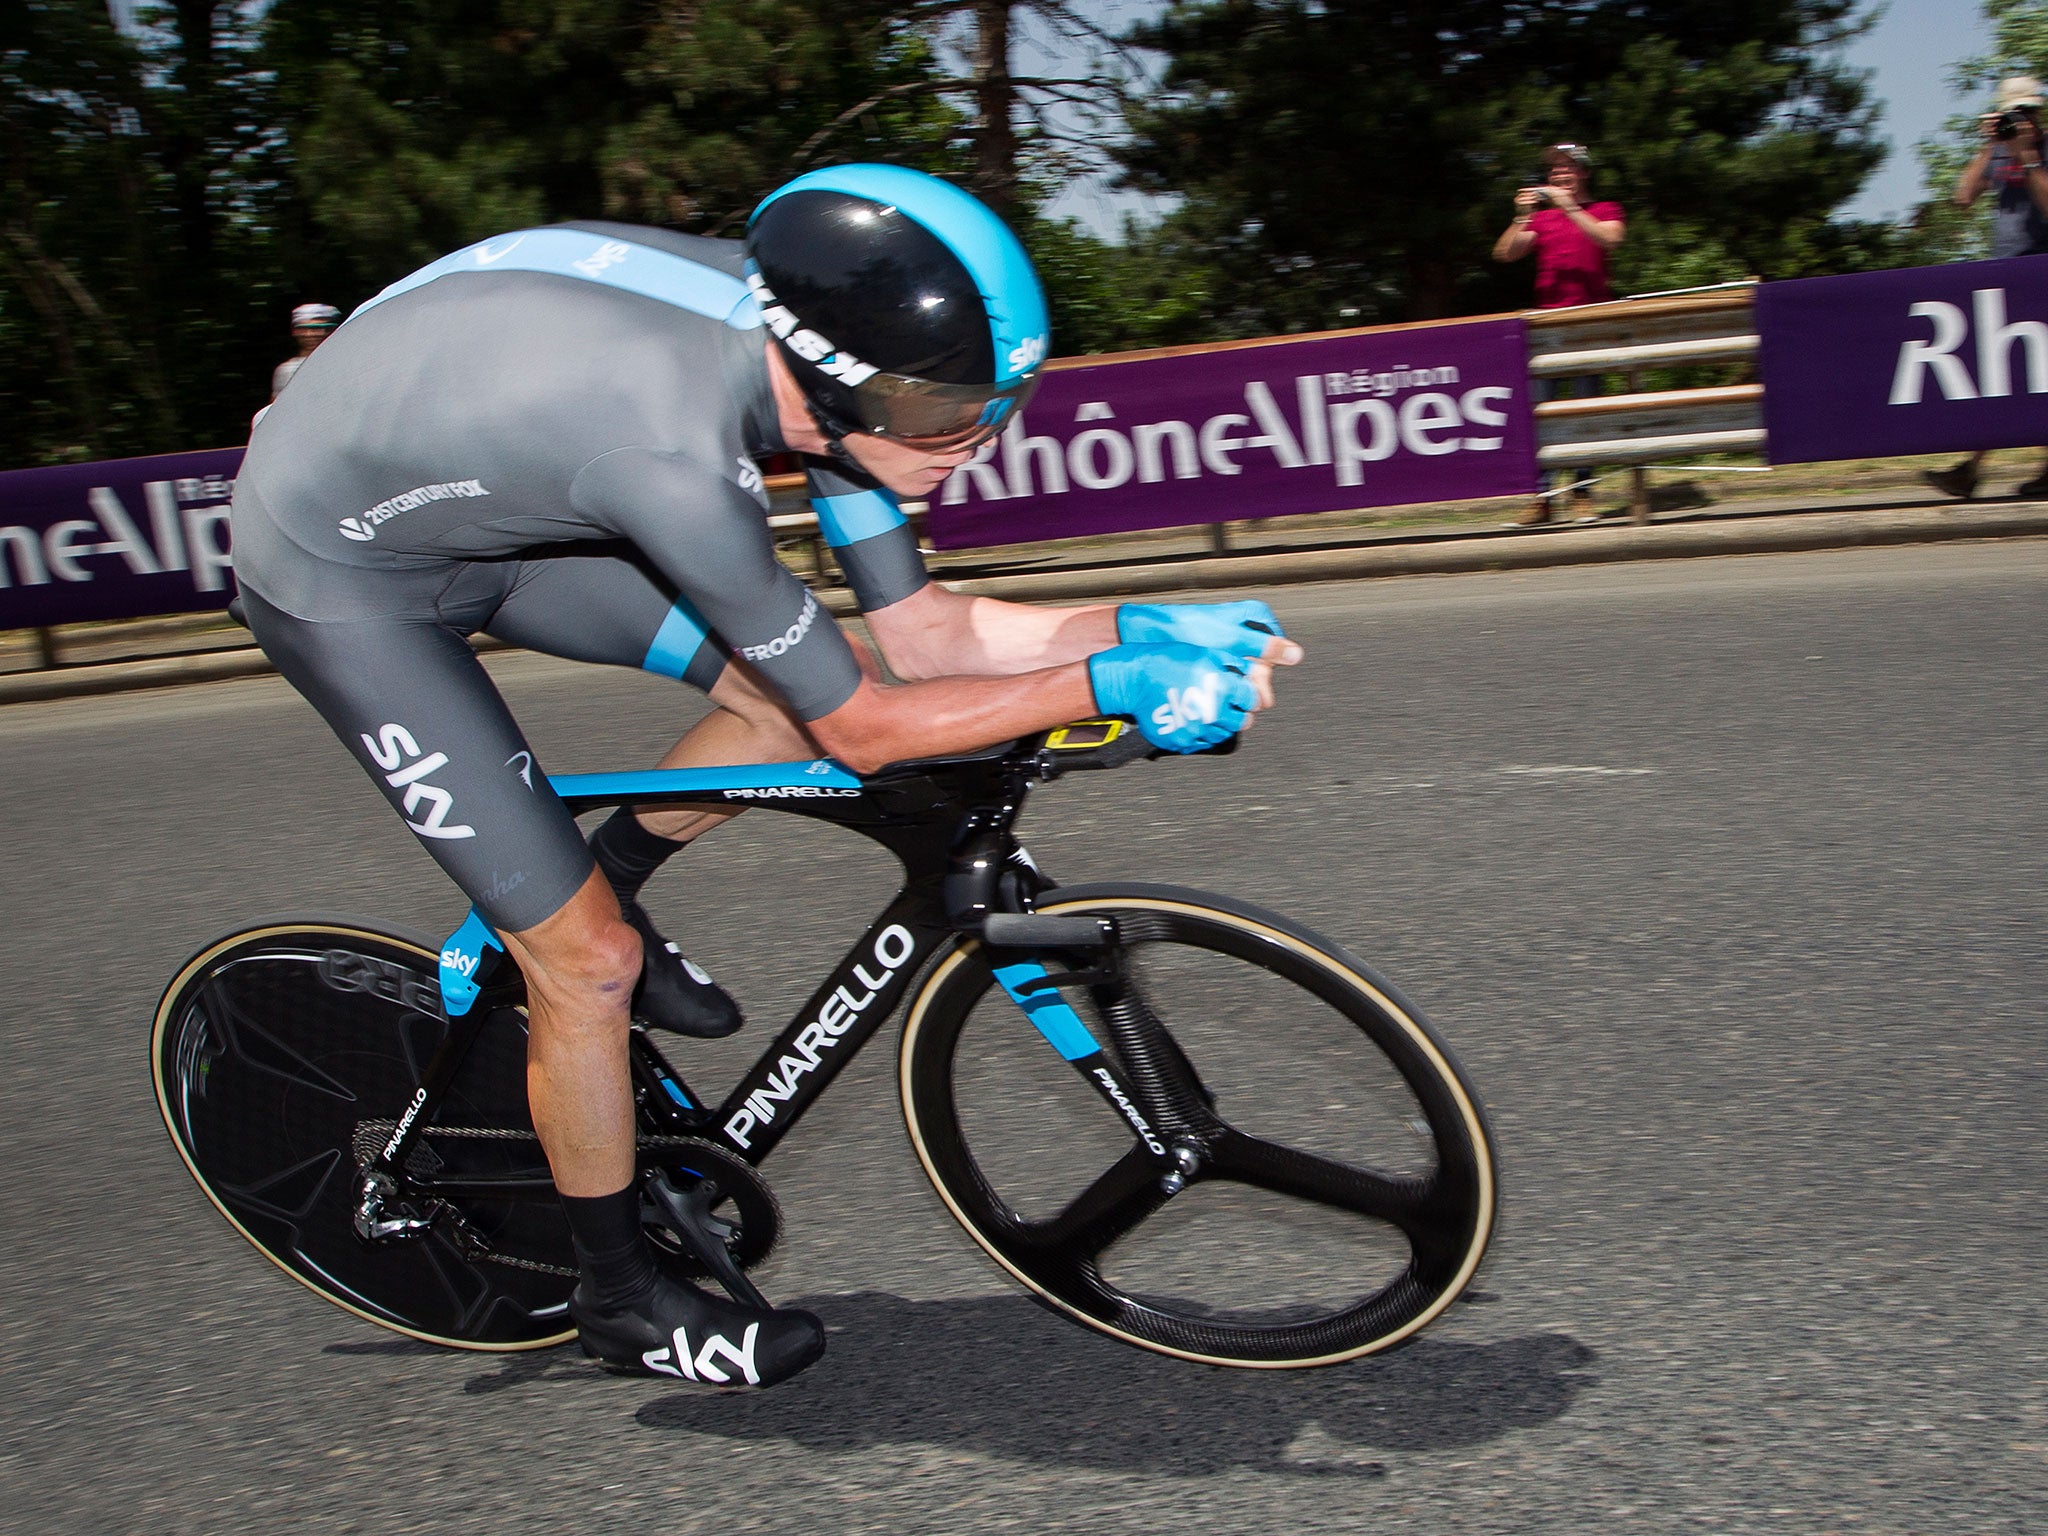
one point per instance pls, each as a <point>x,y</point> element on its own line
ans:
<point>1640,427</point>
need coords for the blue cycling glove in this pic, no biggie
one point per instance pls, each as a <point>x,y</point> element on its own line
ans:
<point>1243,629</point>
<point>1185,698</point>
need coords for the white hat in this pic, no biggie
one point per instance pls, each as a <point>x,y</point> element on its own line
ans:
<point>316,314</point>
<point>2018,91</point>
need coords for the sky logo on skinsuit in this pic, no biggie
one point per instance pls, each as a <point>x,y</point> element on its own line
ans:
<point>750,480</point>
<point>610,254</point>
<point>395,750</point>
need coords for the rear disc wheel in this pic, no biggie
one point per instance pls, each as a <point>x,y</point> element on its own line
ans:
<point>284,1055</point>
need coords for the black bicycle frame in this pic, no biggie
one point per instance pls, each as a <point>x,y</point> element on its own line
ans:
<point>949,822</point>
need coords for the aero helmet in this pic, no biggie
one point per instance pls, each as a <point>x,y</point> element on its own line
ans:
<point>904,307</point>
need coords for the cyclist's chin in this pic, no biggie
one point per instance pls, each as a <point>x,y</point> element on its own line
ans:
<point>912,473</point>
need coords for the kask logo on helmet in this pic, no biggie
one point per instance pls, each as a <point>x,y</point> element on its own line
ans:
<point>807,344</point>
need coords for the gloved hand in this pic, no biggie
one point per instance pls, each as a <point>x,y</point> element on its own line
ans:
<point>1243,629</point>
<point>1184,697</point>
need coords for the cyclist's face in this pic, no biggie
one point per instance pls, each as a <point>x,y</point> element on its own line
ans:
<point>915,474</point>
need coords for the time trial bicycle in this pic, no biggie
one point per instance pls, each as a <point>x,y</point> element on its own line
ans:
<point>1174,1118</point>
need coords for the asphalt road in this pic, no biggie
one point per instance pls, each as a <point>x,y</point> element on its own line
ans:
<point>1724,878</point>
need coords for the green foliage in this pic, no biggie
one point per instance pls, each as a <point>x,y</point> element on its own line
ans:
<point>134,245</point>
<point>419,125</point>
<point>1354,160</point>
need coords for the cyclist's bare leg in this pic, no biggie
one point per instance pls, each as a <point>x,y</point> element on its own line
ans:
<point>750,725</point>
<point>580,965</point>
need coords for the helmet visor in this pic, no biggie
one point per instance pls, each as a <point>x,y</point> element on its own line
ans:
<point>942,418</point>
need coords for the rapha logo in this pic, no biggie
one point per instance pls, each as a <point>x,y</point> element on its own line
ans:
<point>1197,704</point>
<point>610,254</point>
<point>355,528</point>
<point>486,254</point>
<point>523,762</point>
<point>405,767</point>
<point>676,1359</point>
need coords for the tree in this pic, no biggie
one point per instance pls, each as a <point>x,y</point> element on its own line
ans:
<point>1350,161</point>
<point>415,127</point>
<point>131,267</point>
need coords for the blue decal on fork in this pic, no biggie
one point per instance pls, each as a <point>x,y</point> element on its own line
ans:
<point>1047,1010</point>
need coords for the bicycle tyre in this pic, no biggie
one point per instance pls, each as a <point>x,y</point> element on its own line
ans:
<point>280,1052</point>
<point>1223,954</point>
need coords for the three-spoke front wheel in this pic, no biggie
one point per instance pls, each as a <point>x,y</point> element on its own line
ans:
<point>1322,1180</point>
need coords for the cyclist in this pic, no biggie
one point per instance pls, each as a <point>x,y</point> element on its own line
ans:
<point>551,436</point>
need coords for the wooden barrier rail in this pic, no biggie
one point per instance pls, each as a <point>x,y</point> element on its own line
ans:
<point>1629,336</point>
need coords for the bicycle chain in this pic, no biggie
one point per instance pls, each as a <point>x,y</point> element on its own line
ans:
<point>372,1136</point>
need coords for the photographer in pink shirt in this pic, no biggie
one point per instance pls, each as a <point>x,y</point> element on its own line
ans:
<point>1571,238</point>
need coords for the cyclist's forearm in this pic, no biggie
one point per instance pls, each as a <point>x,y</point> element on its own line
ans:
<point>881,725</point>
<point>936,633</point>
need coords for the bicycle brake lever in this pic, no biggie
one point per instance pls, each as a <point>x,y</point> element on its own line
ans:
<point>689,1217</point>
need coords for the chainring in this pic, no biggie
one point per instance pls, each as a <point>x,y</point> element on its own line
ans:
<point>744,1202</point>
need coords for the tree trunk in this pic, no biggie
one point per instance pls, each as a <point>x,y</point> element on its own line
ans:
<point>995,132</point>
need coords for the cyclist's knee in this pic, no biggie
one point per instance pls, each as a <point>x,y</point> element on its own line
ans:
<point>583,961</point>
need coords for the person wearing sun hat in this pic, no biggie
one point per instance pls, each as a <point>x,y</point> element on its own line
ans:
<point>2009,165</point>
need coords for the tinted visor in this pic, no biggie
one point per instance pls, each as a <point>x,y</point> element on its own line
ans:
<point>941,417</point>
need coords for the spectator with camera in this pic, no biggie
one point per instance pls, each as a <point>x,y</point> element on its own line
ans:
<point>2008,165</point>
<point>1571,238</point>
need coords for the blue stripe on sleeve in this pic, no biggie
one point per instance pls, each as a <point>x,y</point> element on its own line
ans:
<point>598,259</point>
<point>863,514</point>
<point>681,633</point>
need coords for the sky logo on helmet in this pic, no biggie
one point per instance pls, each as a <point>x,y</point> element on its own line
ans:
<point>807,344</point>
<point>1029,355</point>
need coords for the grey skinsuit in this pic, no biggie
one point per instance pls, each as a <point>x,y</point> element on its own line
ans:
<point>549,437</point>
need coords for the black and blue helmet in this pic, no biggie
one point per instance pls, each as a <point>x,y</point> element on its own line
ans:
<point>903,306</point>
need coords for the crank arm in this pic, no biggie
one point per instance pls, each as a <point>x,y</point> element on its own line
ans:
<point>688,1213</point>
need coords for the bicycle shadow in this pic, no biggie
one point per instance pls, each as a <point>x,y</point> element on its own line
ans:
<point>1002,1376</point>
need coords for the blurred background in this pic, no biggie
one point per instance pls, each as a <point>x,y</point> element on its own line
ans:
<point>176,177</point>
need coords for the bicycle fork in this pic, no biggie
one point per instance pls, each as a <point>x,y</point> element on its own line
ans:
<point>1149,1082</point>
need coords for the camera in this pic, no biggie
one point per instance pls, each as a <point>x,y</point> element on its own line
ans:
<point>2011,119</point>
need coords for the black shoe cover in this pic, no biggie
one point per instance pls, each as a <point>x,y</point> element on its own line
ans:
<point>683,1332</point>
<point>674,994</point>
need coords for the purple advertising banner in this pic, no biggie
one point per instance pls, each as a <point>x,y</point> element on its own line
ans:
<point>1921,360</point>
<point>116,540</point>
<point>1363,419</point>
